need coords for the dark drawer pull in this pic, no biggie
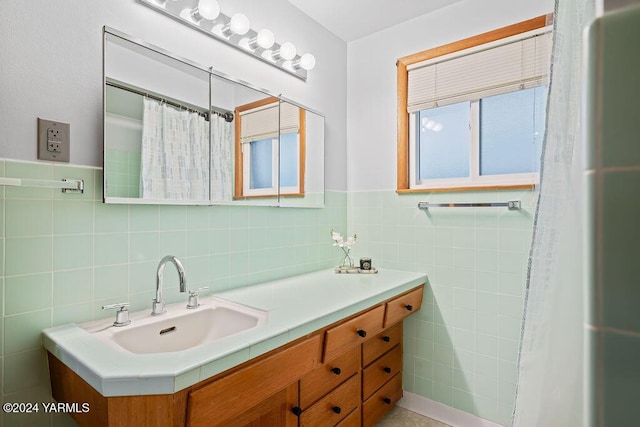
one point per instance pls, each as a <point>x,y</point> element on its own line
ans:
<point>387,369</point>
<point>296,411</point>
<point>386,338</point>
<point>408,307</point>
<point>336,409</point>
<point>387,400</point>
<point>361,333</point>
<point>336,370</point>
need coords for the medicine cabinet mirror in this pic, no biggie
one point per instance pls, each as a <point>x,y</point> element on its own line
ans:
<point>176,132</point>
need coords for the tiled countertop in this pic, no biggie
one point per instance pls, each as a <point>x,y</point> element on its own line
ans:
<point>296,306</point>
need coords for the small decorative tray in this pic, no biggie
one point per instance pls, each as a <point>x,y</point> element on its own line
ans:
<point>355,270</point>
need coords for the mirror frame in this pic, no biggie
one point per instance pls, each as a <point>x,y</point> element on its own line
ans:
<point>211,71</point>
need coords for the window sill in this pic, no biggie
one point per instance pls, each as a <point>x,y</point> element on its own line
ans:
<point>466,188</point>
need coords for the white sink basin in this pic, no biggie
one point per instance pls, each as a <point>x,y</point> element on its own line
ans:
<point>179,329</point>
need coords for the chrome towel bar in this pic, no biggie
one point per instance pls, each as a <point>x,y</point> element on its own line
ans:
<point>64,184</point>
<point>512,205</point>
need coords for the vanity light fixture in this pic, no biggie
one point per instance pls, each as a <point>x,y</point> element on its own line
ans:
<point>205,16</point>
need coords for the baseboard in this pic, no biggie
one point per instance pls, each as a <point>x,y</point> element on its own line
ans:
<point>441,412</point>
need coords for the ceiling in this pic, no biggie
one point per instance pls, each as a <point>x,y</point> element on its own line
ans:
<point>353,19</point>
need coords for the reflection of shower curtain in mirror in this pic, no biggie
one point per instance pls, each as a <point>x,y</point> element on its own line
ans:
<point>175,153</point>
<point>221,159</point>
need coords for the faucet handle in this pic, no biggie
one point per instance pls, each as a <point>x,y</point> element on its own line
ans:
<point>193,297</point>
<point>122,315</point>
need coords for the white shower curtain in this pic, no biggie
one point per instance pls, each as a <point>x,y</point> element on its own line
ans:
<point>221,159</point>
<point>175,153</point>
<point>551,356</point>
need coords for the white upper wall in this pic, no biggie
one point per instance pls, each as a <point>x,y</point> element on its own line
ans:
<point>51,67</point>
<point>371,78</point>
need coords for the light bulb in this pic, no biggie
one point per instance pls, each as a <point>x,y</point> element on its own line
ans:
<point>287,51</point>
<point>307,61</point>
<point>208,9</point>
<point>239,24</point>
<point>265,39</point>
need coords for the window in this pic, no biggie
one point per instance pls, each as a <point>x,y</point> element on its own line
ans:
<point>471,114</point>
<point>270,149</point>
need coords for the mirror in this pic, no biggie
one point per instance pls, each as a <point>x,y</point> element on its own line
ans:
<point>176,132</point>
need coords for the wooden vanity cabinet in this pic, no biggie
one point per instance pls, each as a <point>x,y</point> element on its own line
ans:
<point>347,374</point>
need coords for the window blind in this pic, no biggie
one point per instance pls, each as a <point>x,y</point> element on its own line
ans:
<point>486,72</point>
<point>262,122</point>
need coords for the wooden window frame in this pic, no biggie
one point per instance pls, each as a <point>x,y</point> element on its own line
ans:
<point>402,64</point>
<point>238,191</point>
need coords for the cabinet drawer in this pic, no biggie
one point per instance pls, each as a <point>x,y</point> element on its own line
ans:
<point>219,401</point>
<point>381,343</point>
<point>404,305</point>
<point>322,380</point>
<point>335,406</point>
<point>352,332</point>
<point>381,371</point>
<point>382,401</point>
<point>352,420</point>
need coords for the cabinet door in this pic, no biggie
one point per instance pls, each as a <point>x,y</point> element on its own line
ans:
<point>274,411</point>
<point>228,397</point>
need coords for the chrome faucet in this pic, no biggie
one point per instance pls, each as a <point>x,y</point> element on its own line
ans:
<point>158,303</point>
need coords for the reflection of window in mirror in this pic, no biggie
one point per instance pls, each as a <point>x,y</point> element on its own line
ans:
<point>266,166</point>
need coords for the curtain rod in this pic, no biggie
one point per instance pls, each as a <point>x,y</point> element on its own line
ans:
<point>227,115</point>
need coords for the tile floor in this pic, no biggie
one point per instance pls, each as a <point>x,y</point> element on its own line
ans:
<point>400,417</point>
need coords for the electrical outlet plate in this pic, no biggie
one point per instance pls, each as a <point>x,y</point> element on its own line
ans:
<point>53,140</point>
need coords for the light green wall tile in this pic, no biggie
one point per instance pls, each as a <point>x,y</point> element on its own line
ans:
<point>112,248</point>
<point>72,217</point>
<point>143,247</point>
<point>72,287</point>
<point>173,242</point>
<point>486,260</point>
<point>198,217</point>
<point>25,370</point>
<point>110,281</point>
<point>511,284</point>
<point>510,306</point>
<point>23,331</point>
<point>618,121</point>
<point>198,243</point>
<point>111,218</point>
<point>27,293</point>
<point>145,218</point>
<point>199,271</point>
<point>28,218</point>
<point>511,262</point>
<point>142,276</point>
<point>72,251</point>
<point>463,401</point>
<point>621,377</point>
<point>75,313</point>
<point>28,255</point>
<point>619,250</point>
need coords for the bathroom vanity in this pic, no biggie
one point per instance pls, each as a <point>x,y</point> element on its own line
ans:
<point>339,361</point>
